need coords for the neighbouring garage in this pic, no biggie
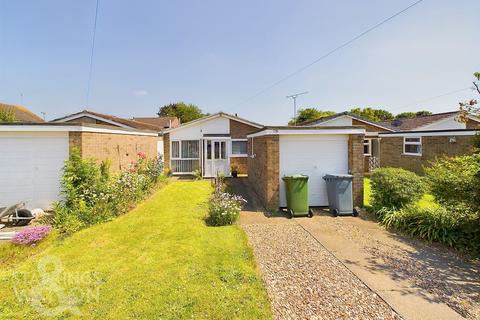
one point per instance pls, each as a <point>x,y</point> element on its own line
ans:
<point>33,155</point>
<point>314,151</point>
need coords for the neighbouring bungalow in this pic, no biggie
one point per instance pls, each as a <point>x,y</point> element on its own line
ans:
<point>21,113</point>
<point>157,124</point>
<point>409,143</point>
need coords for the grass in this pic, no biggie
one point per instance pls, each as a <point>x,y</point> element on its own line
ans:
<point>427,201</point>
<point>158,261</point>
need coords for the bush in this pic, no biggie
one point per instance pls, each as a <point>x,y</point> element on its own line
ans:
<point>224,209</point>
<point>455,182</point>
<point>32,235</point>
<point>395,188</point>
<point>91,195</point>
<point>434,225</point>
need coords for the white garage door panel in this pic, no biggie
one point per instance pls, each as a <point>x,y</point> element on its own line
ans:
<point>31,167</point>
<point>315,156</point>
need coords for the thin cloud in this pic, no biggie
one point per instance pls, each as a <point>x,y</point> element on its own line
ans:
<point>140,92</point>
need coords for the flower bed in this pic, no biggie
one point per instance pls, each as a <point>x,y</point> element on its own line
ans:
<point>32,235</point>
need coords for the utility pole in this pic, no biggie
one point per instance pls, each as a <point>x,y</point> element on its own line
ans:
<point>294,97</point>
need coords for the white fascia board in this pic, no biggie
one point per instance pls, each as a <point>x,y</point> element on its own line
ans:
<point>47,128</point>
<point>325,131</point>
<point>429,134</point>
<point>211,117</point>
<point>88,115</point>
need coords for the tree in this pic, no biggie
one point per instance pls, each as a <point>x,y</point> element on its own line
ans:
<point>411,115</point>
<point>185,112</point>
<point>373,114</point>
<point>7,115</point>
<point>307,114</point>
<point>470,106</point>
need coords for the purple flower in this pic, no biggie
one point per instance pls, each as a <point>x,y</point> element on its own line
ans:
<point>30,236</point>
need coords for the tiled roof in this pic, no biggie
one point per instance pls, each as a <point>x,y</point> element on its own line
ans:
<point>22,114</point>
<point>162,122</point>
<point>417,122</point>
<point>127,122</point>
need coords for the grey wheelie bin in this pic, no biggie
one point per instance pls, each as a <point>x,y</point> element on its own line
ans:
<point>339,192</point>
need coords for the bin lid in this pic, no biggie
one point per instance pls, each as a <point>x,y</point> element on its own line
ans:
<point>295,177</point>
<point>338,176</point>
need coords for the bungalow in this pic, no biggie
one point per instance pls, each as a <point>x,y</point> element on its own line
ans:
<point>20,113</point>
<point>33,156</point>
<point>211,144</point>
<point>409,143</point>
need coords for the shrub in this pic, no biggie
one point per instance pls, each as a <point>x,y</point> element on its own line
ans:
<point>32,235</point>
<point>434,225</point>
<point>91,195</point>
<point>395,188</point>
<point>455,182</point>
<point>197,174</point>
<point>224,209</point>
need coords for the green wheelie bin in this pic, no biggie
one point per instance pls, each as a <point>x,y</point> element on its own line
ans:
<point>296,188</point>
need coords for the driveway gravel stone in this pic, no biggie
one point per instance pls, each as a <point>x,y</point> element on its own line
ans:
<point>305,281</point>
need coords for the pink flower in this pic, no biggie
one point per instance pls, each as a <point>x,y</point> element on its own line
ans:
<point>30,236</point>
<point>141,155</point>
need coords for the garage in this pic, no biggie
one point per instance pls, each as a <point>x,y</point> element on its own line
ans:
<point>314,156</point>
<point>30,167</point>
<point>314,151</point>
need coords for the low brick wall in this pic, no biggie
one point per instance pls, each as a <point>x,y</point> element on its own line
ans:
<point>391,151</point>
<point>264,169</point>
<point>120,149</point>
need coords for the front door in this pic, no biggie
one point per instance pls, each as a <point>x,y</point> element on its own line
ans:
<point>216,157</point>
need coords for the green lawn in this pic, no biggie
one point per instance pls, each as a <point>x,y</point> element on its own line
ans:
<point>426,201</point>
<point>159,261</point>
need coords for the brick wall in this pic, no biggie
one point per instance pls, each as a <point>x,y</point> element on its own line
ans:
<point>166,150</point>
<point>391,151</point>
<point>89,120</point>
<point>120,149</point>
<point>356,167</point>
<point>264,170</point>
<point>239,130</point>
<point>367,127</point>
<point>241,163</point>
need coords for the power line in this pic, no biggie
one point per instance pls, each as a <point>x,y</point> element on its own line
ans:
<point>91,56</point>
<point>343,45</point>
<point>432,98</point>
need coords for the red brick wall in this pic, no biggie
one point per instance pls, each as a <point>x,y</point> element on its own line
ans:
<point>391,151</point>
<point>240,130</point>
<point>166,150</point>
<point>241,163</point>
<point>120,149</point>
<point>264,170</point>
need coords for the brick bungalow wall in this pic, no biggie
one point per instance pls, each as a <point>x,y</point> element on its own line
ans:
<point>391,149</point>
<point>239,130</point>
<point>264,170</point>
<point>120,149</point>
<point>356,161</point>
<point>166,150</point>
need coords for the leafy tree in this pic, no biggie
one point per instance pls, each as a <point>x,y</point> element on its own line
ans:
<point>307,114</point>
<point>185,112</point>
<point>411,115</point>
<point>373,114</point>
<point>470,107</point>
<point>7,115</point>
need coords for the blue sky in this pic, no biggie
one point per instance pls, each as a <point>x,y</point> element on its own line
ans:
<point>216,54</point>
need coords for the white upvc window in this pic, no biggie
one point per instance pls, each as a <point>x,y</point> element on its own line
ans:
<point>367,147</point>
<point>412,146</point>
<point>239,148</point>
<point>185,156</point>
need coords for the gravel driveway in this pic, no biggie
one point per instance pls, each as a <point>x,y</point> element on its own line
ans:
<point>305,281</point>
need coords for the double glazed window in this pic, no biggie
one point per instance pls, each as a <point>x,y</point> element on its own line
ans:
<point>239,147</point>
<point>412,146</point>
<point>185,156</point>
<point>367,147</point>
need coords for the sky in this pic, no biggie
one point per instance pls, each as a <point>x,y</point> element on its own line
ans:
<point>218,54</point>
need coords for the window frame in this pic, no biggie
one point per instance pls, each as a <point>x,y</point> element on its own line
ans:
<point>369,144</point>
<point>419,143</point>
<point>239,155</point>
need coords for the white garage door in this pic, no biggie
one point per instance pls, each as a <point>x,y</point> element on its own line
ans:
<point>30,167</point>
<point>315,156</point>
